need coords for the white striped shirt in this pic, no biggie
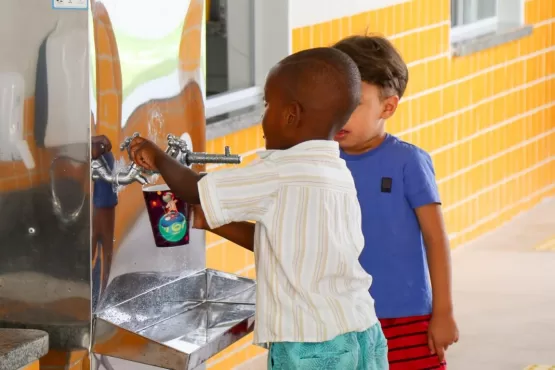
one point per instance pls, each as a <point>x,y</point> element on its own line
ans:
<point>308,237</point>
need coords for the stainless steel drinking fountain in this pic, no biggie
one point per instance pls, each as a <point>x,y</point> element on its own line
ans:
<point>91,276</point>
<point>156,319</point>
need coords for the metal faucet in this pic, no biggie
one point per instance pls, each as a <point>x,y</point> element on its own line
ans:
<point>177,149</point>
<point>132,173</point>
<point>129,175</point>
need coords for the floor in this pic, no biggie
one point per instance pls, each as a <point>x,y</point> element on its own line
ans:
<point>504,286</point>
<point>504,292</point>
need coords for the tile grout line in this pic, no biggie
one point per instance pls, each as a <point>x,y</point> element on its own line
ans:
<point>500,212</point>
<point>251,360</point>
<point>429,59</point>
<point>228,355</point>
<point>496,125</point>
<point>545,22</point>
<point>495,156</point>
<point>418,29</point>
<point>504,181</point>
<point>489,99</point>
<point>216,243</point>
<point>546,245</point>
<point>244,269</point>
<point>479,73</point>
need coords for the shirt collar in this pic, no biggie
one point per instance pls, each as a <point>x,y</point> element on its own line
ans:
<point>311,147</point>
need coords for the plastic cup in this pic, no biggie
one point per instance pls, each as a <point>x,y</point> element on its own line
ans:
<point>168,215</point>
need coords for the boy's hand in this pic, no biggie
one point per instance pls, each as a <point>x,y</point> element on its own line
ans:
<point>144,152</point>
<point>99,146</point>
<point>199,221</point>
<point>442,332</point>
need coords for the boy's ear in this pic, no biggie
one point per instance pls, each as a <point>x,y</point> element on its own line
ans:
<point>294,114</point>
<point>389,106</point>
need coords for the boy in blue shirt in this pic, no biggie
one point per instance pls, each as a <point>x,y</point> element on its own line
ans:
<point>407,249</point>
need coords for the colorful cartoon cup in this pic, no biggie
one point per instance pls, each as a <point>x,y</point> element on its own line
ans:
<point>168,216</point>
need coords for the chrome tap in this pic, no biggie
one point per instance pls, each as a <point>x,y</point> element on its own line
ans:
<point>129,175</point>
<point>132,173</point>
<point>179,150</point>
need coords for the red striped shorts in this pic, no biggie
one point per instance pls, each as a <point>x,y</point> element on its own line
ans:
<point>407,340</point>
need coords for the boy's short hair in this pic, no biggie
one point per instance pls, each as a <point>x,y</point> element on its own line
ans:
<point>323,77</point>
<point>378,61</point>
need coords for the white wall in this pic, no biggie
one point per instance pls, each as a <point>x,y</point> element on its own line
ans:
<point>240,44</point>
<point>308,12</point>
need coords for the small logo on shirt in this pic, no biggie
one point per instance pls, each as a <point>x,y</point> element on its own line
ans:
<point>387,182</point>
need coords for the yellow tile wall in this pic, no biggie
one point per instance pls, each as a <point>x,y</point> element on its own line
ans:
<point>488,120</point>
<point>32,366</point>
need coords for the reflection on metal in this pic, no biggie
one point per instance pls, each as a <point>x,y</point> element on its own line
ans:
<point>60,253</point>
<point>179,325</point>
<point>45,209</point>
<point>57,171</point>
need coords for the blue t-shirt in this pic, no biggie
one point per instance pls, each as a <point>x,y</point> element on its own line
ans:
<point>391,181</point>
<point>104,195</point>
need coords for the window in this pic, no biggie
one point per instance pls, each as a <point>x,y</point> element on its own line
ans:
<point>465,12</point>
<point>473,18</point>
<point>229,46</point>
<point>244,39</point>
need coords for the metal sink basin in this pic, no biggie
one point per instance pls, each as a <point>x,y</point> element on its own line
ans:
<point>179,325</point>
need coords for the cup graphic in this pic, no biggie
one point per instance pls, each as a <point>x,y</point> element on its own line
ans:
<point>168,216</point>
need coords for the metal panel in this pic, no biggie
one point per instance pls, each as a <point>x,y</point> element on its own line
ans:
<point>69,260</point>
<point>44,192</point>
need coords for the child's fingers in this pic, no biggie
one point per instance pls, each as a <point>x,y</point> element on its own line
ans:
<point>431,345</point>
<point>440,353</point>
<point>135,145</point>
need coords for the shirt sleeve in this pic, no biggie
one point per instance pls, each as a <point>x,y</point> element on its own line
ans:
<point>419,180</point>
<point>104,195</point>
<point>238,194</point>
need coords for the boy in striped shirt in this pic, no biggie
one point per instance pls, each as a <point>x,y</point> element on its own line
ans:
<point>313,307</point>
<point>401,215</point>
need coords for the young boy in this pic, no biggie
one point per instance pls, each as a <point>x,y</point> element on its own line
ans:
<point>401,215</point>
<point>313,307</point>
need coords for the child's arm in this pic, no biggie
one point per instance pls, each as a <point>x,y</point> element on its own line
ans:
<point>226,196</point>
<point>423,196</point>
<point>240,233</point>
<point>430,219</point>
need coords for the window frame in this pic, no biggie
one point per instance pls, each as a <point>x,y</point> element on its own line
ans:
<point>268,47</point>
<point>230,101</point>
<point>510,13</point>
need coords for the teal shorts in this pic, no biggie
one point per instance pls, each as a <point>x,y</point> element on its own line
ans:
<point>366,350</point>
